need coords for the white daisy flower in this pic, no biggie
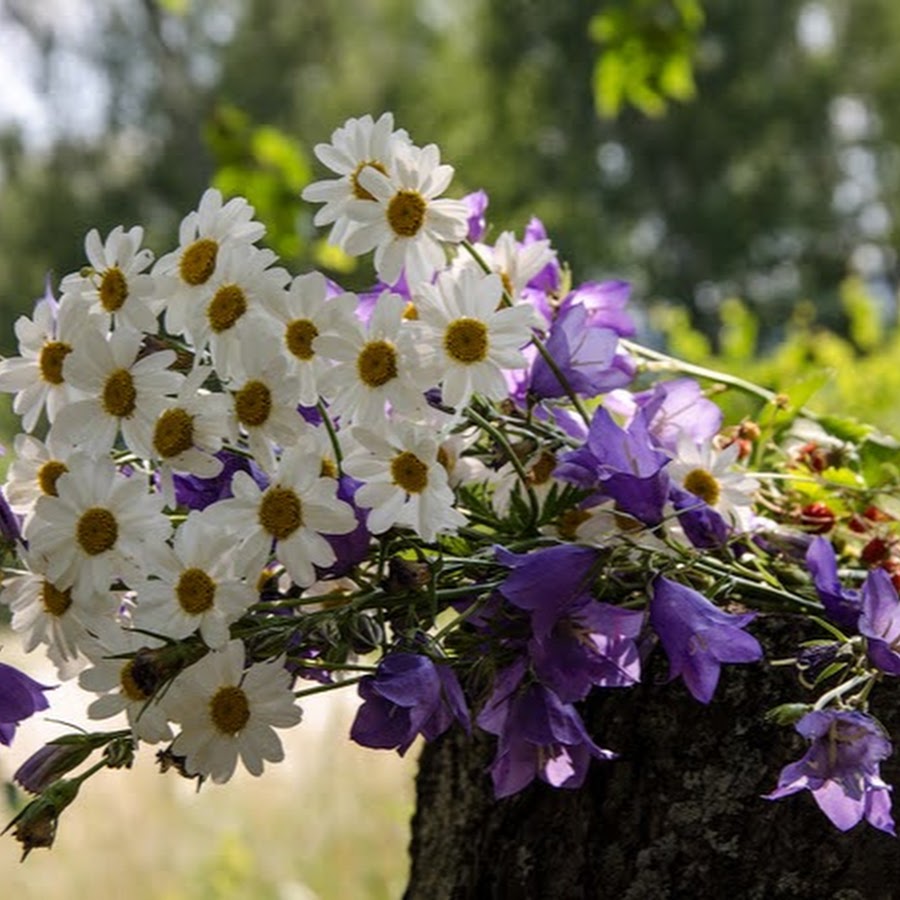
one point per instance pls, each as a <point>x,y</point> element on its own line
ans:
<point>407,224</point>
<point>44,614</point>
<point>304,312</point>
<point>226,712</point>
<point>405,483</point>
<point>377,363</point>
<point>124,686</point>
<point>712,476</point>
<point>538,469</point>
<point>113,285</point>
<point>96,528</point>
<point>184,274</point>
<point>188,433</point>
<point>466,339</point>
<point>33,472</point>
<point>462,468</point>
<point>124,392</point>
<point>236,311</point>
<point>515,263</point>
<point>297,508</point>
<point>194,587</point>
<point>36,376</point>
<point>264,405</point>
<point>356,144</point>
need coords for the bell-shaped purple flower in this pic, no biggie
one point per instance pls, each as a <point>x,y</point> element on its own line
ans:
<point>195,492</point>
<point>353,547</point>
<point>880,621</point>
<point>843,605</point>
<point>477,203</point>
<point>623,464</point>
<point>842,769</point>
<point>539,736</point>
<point>20,697</point>
<point>679,408</point>
<point>698,636</point>
<point>605,303</point>
<point>585,355</point>
<point>407,696</point>
<point>546,582</point>
<point>592,645</point>
<point>702,525</point>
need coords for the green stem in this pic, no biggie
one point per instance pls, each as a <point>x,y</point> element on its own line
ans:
<point>322,688</point>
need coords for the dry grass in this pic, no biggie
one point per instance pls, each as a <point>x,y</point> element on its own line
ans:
<point>330,822</point>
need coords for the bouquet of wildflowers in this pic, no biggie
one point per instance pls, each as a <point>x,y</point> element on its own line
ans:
<point>466,492</point>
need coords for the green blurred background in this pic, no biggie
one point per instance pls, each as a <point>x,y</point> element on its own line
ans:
<point>738,162</point>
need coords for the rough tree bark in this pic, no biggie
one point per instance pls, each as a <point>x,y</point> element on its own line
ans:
<point>679,814</point>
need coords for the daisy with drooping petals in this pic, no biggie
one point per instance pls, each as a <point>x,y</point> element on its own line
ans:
<point>407,224</point>
<point>376,364</point>
<point>712,475</point>
<point>468,341</point>
<point>404,480</point>
<point>226,712</point>
<point>36,376</point>
<point>124,392</point>
<point>304,313</point>
<point>293,512</point>
<point>96,528</point>
<point>515,263</point>
<point>117,676</point>
<point>113,285</point>
<point>194,587</point>
<point>356,144</point>
<point>264,406</point>
<point>44,614</point>
<point>33,472</point>
<point>183,275</point>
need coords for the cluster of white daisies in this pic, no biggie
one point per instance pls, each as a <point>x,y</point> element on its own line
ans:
<point>147,369</point>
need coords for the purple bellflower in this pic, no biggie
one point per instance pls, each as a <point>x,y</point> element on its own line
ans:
<point>477,203</point>
<point>539,736</point>
<point>195,492</point>
<point>623,464</point>
<point>584,353</point>
<point>591,645</point>
<point>880,621</point>
<point>407,696</point>
<point>698,636</point>
<point>547,582</point>
<point>679,407</point>
<point>841,768</point>
<point>20,697</point>
<point>605,303</point>
<point>842,605</point>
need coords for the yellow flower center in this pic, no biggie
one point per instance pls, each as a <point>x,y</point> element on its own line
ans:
<point>358,190</point>
<point>466,340</point>
<point>376,364</point>
<point>542,470</point>
<point>299,336</point>
<point>55,601</point>
<point>198,262</point>
<point>48,475</point>
<point>97,530</point>
<point>567,524</point>
<point>410,313</point>
<point>113,290</point>
<point>51,361</point>
<point>195,591</point>
<point>703,485</point>
<point>119,394</point>
<point>406,213</point>
<point>253,404</point>
<point>130,688</point>
<point>226,307</point>
<point>280,512</point>
<point>173,433</point>
<point>328,468</point>
<point>229,710</point>
<point>409,472</point>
